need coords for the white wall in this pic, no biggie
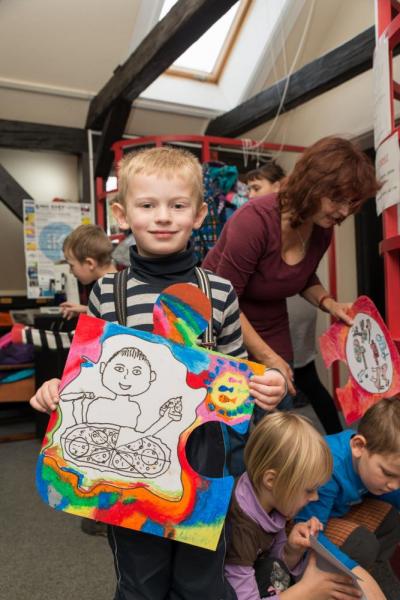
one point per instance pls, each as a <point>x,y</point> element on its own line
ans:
<point>44,176</point>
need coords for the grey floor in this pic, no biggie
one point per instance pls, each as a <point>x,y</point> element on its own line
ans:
<point>43,553</point>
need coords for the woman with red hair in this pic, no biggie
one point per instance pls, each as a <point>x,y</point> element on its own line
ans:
<point>271,247</point>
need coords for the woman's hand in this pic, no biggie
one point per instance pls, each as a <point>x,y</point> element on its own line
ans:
<point>268,389</point>
<point>338,310</point>
<point>69,310</point>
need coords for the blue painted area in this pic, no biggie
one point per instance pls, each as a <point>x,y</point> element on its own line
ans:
<point>41,484</point>
<point>225,388</point>
<point>194,359</point>
<point>76,473</point>
<point>194,320</point>
<point>106,500</point>
<point>154,528</point>
<point>212,502</point>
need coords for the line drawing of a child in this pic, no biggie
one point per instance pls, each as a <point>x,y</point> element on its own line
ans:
<point>128,374</point>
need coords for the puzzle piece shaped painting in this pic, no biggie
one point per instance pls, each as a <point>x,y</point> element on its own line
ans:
<point>370,354</point>
<point>115,449</point>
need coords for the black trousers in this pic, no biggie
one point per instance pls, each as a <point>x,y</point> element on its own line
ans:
<point>307,380</point>
<point>367,547</point>
<point>149,567</point>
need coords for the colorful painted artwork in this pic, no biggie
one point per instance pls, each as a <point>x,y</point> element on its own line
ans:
<point>370,354</point>
<point>115,449</point>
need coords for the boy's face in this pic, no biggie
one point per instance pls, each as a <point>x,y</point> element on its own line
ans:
<point>83,271</point>
<point>127,376</point>
<point>162,212</point>
<point>380,473</point>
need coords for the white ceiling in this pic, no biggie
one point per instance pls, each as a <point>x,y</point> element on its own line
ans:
<point>56,55</point>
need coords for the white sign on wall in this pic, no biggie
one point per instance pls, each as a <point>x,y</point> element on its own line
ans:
<point>382,98</point>
<point>387,164</point>
<point>46,225</point>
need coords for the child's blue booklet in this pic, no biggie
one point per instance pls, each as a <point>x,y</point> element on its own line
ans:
<point>327,562</point>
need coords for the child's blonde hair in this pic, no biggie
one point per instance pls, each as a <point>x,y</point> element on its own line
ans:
<point>89,241</point>
<point>288,444</point>
<point>167,161</point>
<point>381,427</point>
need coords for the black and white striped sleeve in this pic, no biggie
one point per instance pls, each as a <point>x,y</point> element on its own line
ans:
<point>226,317</point>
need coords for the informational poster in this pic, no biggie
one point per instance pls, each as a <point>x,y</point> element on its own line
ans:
<point>382,98</point>
<point>46,225</point>
<point>388,171</point>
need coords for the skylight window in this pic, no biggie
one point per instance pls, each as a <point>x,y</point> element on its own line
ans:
<point>205,58</point>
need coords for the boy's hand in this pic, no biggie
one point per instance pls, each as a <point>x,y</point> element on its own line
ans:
<point>274,361</point>
<point>268,389</point>
<point>70,310</point>
<point>299,537</point>
<point>47,396</point>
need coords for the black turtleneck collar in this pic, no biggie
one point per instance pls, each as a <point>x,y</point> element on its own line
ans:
<point>171,268</point>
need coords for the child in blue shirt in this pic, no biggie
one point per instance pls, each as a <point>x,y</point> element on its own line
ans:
<point>359,504</point>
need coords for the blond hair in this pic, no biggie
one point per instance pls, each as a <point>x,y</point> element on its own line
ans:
<point>89,241</point>
<point>167,161</point>
<point>381,427</point>
<point>288,444</point>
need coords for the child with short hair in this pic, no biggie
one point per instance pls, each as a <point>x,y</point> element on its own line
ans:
<point>160,192</point>
<point>264,180</point>
<point>286,462</point>
<point>359,504</point>
<point>88,251</point>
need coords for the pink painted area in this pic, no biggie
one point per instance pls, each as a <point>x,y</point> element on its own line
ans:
<point>353,398</point>
<point>86,344</point>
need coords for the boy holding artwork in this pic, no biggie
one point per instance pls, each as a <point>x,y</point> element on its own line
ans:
<point>359,504</point>
<point>161,201</point>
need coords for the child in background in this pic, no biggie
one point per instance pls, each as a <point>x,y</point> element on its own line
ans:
<point>359,504</point>
<point>286,462</point>
<point>264,180</point>
<point>161,201</point>
<point>88,251</point>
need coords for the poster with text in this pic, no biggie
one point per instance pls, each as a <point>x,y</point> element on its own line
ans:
<point>46,225</point>
<point>388,171</point>
<point>382,98</point>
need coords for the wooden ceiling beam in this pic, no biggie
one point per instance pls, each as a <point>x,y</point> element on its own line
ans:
<point>36,136</point>
<point>315,78</point>
<point>178,30</point>
<point>113,130</point>
<point>11,193</point>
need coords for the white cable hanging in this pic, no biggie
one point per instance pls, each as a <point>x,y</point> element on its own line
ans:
<point>255,147</point>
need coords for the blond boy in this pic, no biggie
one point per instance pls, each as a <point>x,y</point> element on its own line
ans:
<point>161,201</point>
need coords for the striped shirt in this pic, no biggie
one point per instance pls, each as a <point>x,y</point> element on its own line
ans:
<point>141,297</point>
